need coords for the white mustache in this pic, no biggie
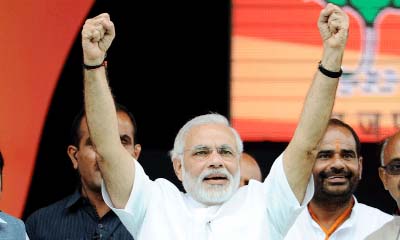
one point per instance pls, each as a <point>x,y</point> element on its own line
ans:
<point>221,172</point>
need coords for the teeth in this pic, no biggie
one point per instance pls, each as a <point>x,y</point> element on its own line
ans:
<point>335,177</point>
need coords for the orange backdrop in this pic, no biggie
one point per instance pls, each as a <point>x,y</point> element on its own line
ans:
<point>35,38</point>
<point>275,52</point>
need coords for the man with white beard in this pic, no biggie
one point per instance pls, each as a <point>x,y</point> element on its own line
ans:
<point>211,193</point>
<point>206,156</point>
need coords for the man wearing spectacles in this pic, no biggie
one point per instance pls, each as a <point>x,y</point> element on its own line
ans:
<point>334,212</point>
<point>84,214</point>
<point>208,149</point>
<point>389,172</point>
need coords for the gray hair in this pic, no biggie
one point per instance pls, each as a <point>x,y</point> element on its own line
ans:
<point>210,118</point>
<point>385,142</point>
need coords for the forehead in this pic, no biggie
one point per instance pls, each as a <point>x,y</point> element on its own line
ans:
<point>210,135</point>
<point>125,123</point>
<point>337,136</point>
<point>392,149</point>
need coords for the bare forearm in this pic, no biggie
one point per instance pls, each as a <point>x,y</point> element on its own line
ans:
<point>319,102</point>
<point>115,163</point>
<point>100,111</point>
<point>299,156</point>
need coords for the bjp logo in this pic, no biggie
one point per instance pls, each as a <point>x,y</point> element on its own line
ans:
<point>372,75</point>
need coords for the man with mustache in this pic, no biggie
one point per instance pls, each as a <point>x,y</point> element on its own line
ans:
<point>84,214</point>
<point>206,156</point>
<point>334,212</point>
<point>389,172</point>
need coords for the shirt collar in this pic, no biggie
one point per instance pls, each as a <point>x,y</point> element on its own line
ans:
<point>75,199</point>
<point>347,223</point>
<point>353,216</point>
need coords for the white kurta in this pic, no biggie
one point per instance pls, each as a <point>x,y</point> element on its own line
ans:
<point>158,210</point>
<point>389,231</point>
<point>362,221</point>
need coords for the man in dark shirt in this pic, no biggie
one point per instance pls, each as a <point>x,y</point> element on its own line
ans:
<point>84,214</point>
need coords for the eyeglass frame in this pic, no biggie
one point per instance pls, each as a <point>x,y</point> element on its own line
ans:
<point>389,167</point>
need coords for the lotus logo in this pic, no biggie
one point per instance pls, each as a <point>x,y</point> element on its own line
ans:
<point>366,78</point>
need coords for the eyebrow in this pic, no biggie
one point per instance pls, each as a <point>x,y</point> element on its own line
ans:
<point>199,147</point>
<point>326,151</point>
<point>348,151</point>
<point>125,137</point>
<point>341,151</point>
<point>202,147</point>
<point>394,160</point>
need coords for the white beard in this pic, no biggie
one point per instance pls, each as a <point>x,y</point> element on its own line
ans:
<point>209,194</point>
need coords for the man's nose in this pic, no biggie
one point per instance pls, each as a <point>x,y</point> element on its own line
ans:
<point>215,159</point>
<point>338,161</point>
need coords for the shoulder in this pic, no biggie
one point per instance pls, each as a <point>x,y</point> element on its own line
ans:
<point>10,219</point>
<point>14,224</point>
<point>372,212</point>
<point>370,209</point>
<point>166,186</point>
<point>389,229</point>
<point>56,208</point>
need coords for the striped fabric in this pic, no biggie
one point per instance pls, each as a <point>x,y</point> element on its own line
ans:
<point>74,218</point>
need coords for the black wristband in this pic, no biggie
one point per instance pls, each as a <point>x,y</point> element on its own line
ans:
<point>88,67</point>
<point>328,73</point>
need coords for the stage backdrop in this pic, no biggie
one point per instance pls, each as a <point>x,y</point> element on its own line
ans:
<point>35,37</point>
<point>275,51</point>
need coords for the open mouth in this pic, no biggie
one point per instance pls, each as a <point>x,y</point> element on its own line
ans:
<point>337,179</point>
<point>216,179</point>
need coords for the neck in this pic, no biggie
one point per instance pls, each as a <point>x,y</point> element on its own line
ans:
<point>328,212</point>
<point>97,201</point>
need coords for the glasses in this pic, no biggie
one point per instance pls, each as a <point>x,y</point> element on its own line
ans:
<point>205,152</point>
<point>393,168</point>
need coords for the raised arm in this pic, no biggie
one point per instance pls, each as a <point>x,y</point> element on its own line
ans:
<point>115,162</point>
<point>299,156</point>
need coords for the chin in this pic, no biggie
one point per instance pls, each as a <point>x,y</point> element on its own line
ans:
<point>213,194</point>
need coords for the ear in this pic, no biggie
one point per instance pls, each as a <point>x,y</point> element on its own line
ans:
<point>72,151</point>
<point>177,163</point>
<point>360,165</point>
<point>383,177</point>
<point>136,151</point>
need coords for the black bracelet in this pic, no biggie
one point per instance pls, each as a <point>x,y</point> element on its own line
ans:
<point>88,67</point>
<point>328,73</point>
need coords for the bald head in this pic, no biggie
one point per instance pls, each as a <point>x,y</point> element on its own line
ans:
<point>390,157</point>
<point>390,149</point>
<point>249,169</point>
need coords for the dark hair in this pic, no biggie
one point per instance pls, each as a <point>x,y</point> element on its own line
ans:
<point>340,123</point>
<point>75,128</point>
